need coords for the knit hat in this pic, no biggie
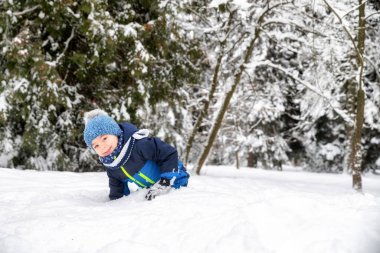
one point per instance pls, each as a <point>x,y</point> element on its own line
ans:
<point>99,123</point>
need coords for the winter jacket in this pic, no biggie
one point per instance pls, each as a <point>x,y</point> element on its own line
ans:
<point>142,162</point>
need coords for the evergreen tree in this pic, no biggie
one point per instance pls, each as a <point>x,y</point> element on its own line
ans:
<point>61,58</point>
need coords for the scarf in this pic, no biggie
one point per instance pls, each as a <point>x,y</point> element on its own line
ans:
<point>122,153</point>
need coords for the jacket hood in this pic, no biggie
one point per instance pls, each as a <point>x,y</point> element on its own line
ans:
<point>128,130</point>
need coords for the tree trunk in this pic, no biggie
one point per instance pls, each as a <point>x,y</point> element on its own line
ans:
<point>251,160</point>
<point>356,154</point>
<point>237,159</point>
<point>203,112</point>
<point>210,95</point>
<point>350,105</point>
<point>226,102</point>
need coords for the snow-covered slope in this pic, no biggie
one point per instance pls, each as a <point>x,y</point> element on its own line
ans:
<point>225,210</point>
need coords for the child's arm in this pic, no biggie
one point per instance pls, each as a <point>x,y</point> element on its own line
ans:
<point>116,187</point>
<point>163,154</point>
<point>166,157</point>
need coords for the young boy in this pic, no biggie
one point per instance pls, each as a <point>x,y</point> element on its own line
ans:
<point>132,159</point>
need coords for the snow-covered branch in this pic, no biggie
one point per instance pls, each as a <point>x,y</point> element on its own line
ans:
<point>297,26</point>
<point>285,46</point>
<point>269,8</point>
<point>20,13</point>
<point>372,14</point>
<point>353,9</point>
<point>328,99</point>
<point>360,56</point>
<point>238,41</point>
<point>202,18</point>
<point>374,67</point>
<point>67,42</point>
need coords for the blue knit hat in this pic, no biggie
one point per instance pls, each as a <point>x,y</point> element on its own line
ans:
<point>99,123</point>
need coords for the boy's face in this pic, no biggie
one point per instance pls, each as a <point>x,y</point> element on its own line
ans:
<point>105,144</point>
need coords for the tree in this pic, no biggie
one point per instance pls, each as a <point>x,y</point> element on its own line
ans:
<point>62,58</point>
<point>355,161</point>
<point>237,75</point>
<point>222,33</point>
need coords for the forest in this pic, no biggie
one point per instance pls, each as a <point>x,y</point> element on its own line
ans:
<point>263,83</point>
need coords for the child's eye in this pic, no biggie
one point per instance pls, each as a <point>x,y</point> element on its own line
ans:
<point>104,138</point>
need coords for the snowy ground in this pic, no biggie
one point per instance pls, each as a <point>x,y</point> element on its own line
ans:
<point>224,210</point>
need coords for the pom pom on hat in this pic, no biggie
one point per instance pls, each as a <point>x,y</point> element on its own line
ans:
<point>99,123</point>
<point>92,114</point>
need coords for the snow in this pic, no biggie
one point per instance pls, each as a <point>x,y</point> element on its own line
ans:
<point>329,151</point>
<point>243,4</point>
<point>224,210</point>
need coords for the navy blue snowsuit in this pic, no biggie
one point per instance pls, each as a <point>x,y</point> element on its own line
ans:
<point>143,161</point>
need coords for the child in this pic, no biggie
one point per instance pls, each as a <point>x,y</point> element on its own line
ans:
<point>132,159</point>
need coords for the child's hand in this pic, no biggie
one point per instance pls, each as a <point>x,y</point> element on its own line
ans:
<point>161,187</point>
